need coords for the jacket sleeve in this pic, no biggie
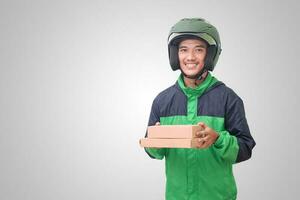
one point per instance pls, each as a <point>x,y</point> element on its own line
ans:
<point>235,144</point>
<point>226,146</point>
<point>236,124</point>
<point>156,153</point>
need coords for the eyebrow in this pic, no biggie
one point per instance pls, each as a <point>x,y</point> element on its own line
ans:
<point>201,46</point>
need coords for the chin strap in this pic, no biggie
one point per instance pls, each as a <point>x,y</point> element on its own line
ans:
<point>199,75</point>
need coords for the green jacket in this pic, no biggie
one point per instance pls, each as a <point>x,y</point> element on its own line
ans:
<point>202,174</point>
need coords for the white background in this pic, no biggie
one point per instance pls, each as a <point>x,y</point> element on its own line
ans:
<point>77,80</point>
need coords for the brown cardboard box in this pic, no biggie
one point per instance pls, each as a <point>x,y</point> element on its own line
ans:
<point>173,131</point>
<point>168,143</point>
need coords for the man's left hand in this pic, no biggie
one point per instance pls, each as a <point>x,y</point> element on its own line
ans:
<point>207,136</point>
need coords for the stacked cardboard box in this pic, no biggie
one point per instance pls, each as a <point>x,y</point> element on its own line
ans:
<point>171,136</point>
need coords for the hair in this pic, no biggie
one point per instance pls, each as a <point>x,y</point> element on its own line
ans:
<point>178,40</point>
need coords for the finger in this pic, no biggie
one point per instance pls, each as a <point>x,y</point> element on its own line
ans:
<point>202,125</point>
<point>157,123</point>
<point>206,142</point>
<point>200,143</point>
<point>200,134</point>
<point>209,142</point>
<point>203,134</point>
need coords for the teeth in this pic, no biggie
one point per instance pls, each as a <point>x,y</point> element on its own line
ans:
<point>191,65</point>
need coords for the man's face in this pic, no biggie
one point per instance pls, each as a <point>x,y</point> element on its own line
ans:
<point>191,55</point>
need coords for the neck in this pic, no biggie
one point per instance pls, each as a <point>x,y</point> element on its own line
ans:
<point>192,83</point>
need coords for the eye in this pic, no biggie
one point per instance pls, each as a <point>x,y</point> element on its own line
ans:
<point>199,50</point>
<point>182,50</point>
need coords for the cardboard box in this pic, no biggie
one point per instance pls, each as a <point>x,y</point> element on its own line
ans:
<point>173,131</point>
<point>168,143</point>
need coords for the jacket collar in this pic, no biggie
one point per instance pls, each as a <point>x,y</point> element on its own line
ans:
<point>200,89</point>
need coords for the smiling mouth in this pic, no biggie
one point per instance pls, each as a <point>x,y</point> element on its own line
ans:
<point>191,65</point>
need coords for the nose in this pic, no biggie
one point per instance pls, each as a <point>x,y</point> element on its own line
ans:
<point>190,56</point>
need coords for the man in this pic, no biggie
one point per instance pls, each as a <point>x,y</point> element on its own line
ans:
<point>203,173</point>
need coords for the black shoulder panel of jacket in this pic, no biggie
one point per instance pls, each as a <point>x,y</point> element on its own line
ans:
<point>172,101</point>
<point>212,102</point>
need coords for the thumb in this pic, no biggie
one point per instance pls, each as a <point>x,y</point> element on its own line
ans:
<point>202,125</point>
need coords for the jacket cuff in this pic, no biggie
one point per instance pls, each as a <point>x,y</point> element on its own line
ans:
<point>157,153</point>
<point>219,141</point>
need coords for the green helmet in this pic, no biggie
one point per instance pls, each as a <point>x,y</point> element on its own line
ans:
<point>194,28</point>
